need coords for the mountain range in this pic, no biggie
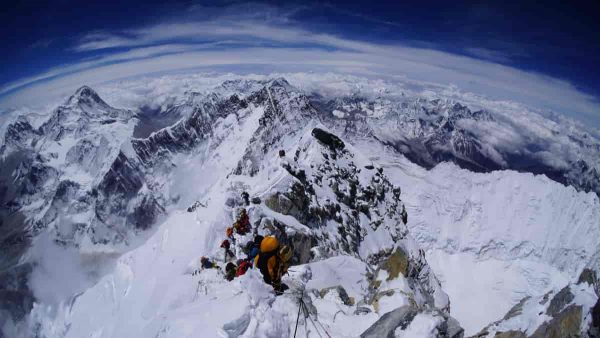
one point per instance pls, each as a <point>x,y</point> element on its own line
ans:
<point>128,200</point>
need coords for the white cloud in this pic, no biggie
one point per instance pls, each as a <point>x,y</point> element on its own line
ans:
<point>296,48</point>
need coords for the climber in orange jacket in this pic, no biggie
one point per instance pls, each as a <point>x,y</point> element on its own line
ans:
<point>273,261</point>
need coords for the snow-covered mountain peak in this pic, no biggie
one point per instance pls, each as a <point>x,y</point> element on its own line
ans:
<point>86,99</point>
<point>85,93</point>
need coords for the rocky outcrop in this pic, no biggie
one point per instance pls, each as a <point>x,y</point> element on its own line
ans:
<point>328,139</point>
<point>560,300</point>
<point>395,264</point>
<point>19,134</point>
<point>510,334</point>
<point>590,277</point>
<point>401,318</point>
<point>295,202</point>
<point>566,324</point>
<point>389,322</point>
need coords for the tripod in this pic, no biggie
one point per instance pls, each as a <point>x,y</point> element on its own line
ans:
<point>302,308</point>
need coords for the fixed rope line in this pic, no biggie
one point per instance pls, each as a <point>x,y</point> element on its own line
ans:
<point>307,315</point>
<point>297,318</point>
<point>317,320</point>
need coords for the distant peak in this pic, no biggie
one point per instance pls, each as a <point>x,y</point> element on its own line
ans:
<point>85,94</point>
<point>280,82</point>
<point>85,91</point>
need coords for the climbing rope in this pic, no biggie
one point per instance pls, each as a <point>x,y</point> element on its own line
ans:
<point>297,318</point>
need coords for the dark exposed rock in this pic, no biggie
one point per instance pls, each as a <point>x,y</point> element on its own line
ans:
<point>451,328</point>
<point>195,206</point>
<point>123,178</point>
<point>187,133</point>
<point>545,298</point>
<point>517,309</point>
<point>389,322</point>
<point>401,317</point>
<point>85,95</point>
<point>20,133</point>
<point>331,141</point>
<point>590,277</point>
<point>295,202</point>
<point>16,303</point>
<point>564,324</point>
<point>301,244</point>
<point>146,213</point>
<point>595,325</point>
<point>429,132</point>
<point>286,111</point>
<point>560,300</point>
<point>361,310</point>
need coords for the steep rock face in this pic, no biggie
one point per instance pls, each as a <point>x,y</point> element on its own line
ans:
<point>19,134</point>
<point>286,110</point>
<point>58,179</point>
<point>187,133</point>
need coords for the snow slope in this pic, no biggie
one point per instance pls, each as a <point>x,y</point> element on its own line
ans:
<point>495,238</point>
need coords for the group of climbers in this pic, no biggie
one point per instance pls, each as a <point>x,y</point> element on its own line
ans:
<point>266,253</point>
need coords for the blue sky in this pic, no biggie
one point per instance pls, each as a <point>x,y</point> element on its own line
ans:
<point>542,55</point>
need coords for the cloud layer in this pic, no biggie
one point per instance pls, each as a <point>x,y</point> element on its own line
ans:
<point>230,44</point>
